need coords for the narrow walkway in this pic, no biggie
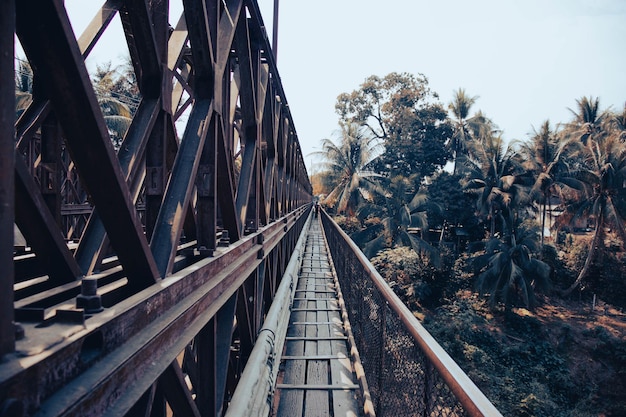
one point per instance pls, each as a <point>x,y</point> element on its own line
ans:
<point>317,377</point>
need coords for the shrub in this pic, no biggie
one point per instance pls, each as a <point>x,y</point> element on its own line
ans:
<point>348,224</point>
<point>414,276</point>
<point>519,368</point>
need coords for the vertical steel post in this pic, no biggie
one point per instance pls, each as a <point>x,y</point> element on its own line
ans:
<point>213,350</point>
<point>275,32</point>
<point>206,186</point>
<point>7,161</point>
<point>50,177</point>
<point>155,173</point>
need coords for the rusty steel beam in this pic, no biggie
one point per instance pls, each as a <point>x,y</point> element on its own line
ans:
<point>179,188</point>
<point>172,384</point>
<point>248,78</point>
<point>7,157</point>
<point>142,44</point>
<point>129,157</point>
<point>41,229</point>
<point>98,25</point>
<point>206,186</point>
<point>46,35</point>
<point>201,38</point>
<point>225,182</point>
<point>275,31</point>
<point>212,346</point>
<point>50,166</point>
<point>131,343</point>
<point>171,296</point>
<point>145,30</point>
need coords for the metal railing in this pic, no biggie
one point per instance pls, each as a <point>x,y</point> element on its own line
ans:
<point>408,372</point>
<point>254,393</point>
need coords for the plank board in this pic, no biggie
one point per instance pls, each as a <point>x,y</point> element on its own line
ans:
<point>318,378</point>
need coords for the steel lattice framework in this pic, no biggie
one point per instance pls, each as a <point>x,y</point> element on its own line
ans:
<point>186,238</point>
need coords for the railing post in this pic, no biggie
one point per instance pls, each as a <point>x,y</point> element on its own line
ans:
<point>381,381</point>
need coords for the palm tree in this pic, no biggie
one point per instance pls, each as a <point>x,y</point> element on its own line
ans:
<point>511,269</point>
<point>589,122</point>
<point>618,125</point>
<point>347,163</point>
<point>399,208</point>
<point>545,157</point>
<point>603,175</point>
<point>496,177</point>
<point>460,107</point>
<point>117,98</point>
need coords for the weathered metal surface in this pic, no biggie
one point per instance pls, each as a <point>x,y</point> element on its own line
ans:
<point>40,228</point>
<point>187,235</point>
<point>7,133</point>
<point>45,33</point>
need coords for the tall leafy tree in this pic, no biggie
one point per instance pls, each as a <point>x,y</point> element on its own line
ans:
<point>347,165</point>
<point>118,82</point>
<point>117,117</point>
<point>401,110</point>
<point>450,206</point>
<point>603,200</point>
<point>501,184</point>
<point>618,124</point>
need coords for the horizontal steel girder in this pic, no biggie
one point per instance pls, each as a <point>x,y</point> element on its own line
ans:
<point>133,342</point>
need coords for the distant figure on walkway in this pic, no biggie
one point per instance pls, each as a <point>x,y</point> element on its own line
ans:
<point>317,208</point>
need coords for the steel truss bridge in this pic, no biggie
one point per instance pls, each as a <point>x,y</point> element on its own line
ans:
<point>158,279</point>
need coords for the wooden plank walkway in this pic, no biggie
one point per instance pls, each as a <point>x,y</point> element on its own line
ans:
<point>317,377</point>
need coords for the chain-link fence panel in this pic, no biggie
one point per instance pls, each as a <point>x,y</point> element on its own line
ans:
<point>408,373</point>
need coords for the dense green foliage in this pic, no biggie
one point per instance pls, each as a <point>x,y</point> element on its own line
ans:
<point>490,253</point>
<point>451,208</point>
<point>397,209</point>
<point>402,111</point>
<point>529,366</point>
<point>403,197</point>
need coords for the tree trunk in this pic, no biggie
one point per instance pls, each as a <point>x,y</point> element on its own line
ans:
<point>590,256</point>
<point>543,220</point>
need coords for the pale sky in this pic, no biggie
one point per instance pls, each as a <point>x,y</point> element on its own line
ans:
<point>527,60</point>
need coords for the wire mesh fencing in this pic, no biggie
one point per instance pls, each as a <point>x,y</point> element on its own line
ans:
<point>407,372</point>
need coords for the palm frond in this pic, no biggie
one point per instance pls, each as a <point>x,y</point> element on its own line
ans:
<point>113,107</point>
<point>540,271</point>
<point>419,245</point>
<point>374,246</point>
<point>616,218</point>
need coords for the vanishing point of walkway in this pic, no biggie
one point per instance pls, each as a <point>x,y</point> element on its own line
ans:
<point>317,377</point>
